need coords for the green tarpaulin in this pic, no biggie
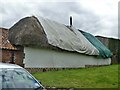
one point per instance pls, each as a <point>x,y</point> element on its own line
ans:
<point>104,52</point>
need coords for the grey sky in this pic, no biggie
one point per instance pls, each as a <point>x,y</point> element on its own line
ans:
<point>98,17</point>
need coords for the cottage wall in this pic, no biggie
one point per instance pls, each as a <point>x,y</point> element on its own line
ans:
<point>46,58</point>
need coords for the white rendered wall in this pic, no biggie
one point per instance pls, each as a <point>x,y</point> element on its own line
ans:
<point>46,58</point>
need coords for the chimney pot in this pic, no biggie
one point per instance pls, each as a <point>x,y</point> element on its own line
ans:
<point>70,21</point>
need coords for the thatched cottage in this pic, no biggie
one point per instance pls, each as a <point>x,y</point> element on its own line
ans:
<point>8,52</point>
<point>49,44</point>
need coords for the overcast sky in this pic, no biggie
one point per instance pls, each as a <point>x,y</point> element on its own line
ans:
<point>98,17</point>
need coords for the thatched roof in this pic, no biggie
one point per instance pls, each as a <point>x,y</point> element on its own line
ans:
<point>31,31</point>
<point>28,32</point>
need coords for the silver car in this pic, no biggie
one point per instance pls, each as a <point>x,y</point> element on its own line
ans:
<point>14,77</point>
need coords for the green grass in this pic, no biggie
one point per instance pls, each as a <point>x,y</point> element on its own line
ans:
<point>97,77</point>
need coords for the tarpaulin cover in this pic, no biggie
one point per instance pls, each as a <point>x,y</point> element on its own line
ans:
<point>68,39</point>
<point>103,50</point>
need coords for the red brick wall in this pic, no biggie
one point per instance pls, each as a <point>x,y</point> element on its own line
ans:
<point>19,58</point>
<point>0,55</point>
<point>7,56</point>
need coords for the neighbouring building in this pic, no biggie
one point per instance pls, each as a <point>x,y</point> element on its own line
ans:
<point>114,46</point>
<point>49,44</point>
<point>8,52</point>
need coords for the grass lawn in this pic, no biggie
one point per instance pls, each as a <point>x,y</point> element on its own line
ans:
<point>97,77</point>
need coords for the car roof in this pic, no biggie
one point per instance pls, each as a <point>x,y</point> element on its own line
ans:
<point>7,65</point>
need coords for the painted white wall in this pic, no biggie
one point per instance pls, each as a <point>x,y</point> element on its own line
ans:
<point>46,58</point>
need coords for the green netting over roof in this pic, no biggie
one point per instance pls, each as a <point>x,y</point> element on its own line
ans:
<point>104,52</point>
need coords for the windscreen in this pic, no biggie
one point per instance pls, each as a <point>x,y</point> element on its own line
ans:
<point>17,78</point>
